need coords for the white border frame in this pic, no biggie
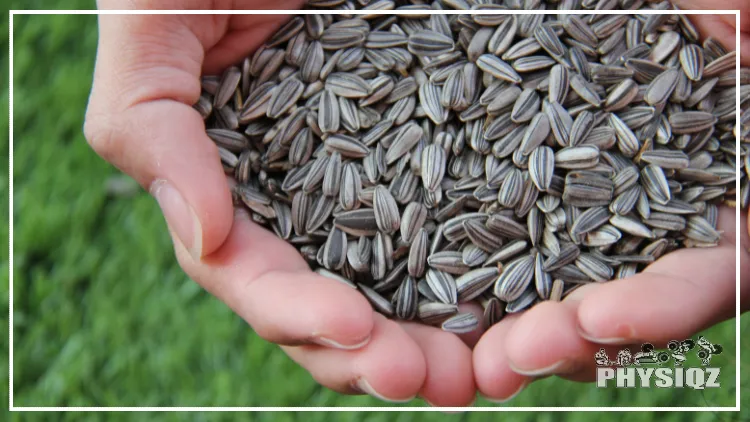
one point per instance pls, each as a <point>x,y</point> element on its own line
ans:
<point>13,408</point>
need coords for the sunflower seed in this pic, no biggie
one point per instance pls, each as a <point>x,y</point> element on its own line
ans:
<point>691,121</point>
<point>378,302</point>
<point>230,79</point>
<point>631,226</point>
<point>594,268</point>
<point>406,299</point>
<point>661,88</point>
<point>699,229</point>
<point>582,88</point>
<point>655,184</point>
<point>443,286</point>
<point>284,97</point>
<point>668,159</point>
<point>560,122</point>
<point>429,97</point>
<point>407,138</point>
<point>621,95</point>
<point>511,189</point>
<point>660,220</point>
<point>435,312</point>
<point>525,107</point>
<point>542,167</point>
<point>626,140</point>
<point>429,43</point>
<point>387,214</point>
<point>461,323</point>
<point>448,261</point>
<point>482,237</point>
<point>524,301</point>
<point>720,65</point>
<point>359,222</point>
<point>542,279</point>
<point>516,276</point>
<point>589,220</point>
<point>535,134</point>
<point>332,176</point>
<point>472,256</point>
<point>580,157</point>
<point>475,282</point>
<point>334,251</point>
<point>494,66</point>
<point>547,38</point>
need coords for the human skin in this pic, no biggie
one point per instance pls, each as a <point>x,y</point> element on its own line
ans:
<point>140,119</point>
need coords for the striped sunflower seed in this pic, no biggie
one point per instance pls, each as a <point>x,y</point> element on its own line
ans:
<point>516,276</point>
<point>429,43</point>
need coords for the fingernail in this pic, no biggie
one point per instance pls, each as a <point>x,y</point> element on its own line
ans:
<point>327,342</point>
<point>361,385</point>
<point>626,329</point>
<point>511,397</point>
<point>605,340</point>
<point>561,365</point>
<point>181,218</point>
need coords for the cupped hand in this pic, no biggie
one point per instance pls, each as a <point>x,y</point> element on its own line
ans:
<point>678,295</point>
<point>140,119</point>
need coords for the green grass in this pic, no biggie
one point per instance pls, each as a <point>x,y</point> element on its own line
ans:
<point>105,317</point>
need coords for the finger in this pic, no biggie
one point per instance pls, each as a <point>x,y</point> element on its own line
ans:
<point>391,367</point>
<point>537,348</point>
<point>245,33</point>
<point>226,39</point>
<point>147,72</point>
<point>267,283</point>
<point>676,296</point>
<point>495,379</point>
<point>450,378</point>
<point>545,341</point>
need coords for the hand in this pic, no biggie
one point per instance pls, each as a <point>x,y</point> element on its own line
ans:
<point>140,119</point>
<point>562,338</point>
<point>678,295</point>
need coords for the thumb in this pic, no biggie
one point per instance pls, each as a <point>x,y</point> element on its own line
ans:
<point>140,119</point>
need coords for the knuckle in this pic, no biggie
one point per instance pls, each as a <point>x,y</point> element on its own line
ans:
<point>100,132</point>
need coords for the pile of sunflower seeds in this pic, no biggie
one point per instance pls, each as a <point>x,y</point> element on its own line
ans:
<point>432,160</point>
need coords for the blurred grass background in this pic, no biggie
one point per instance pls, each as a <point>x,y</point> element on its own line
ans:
<point>103,315</point>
